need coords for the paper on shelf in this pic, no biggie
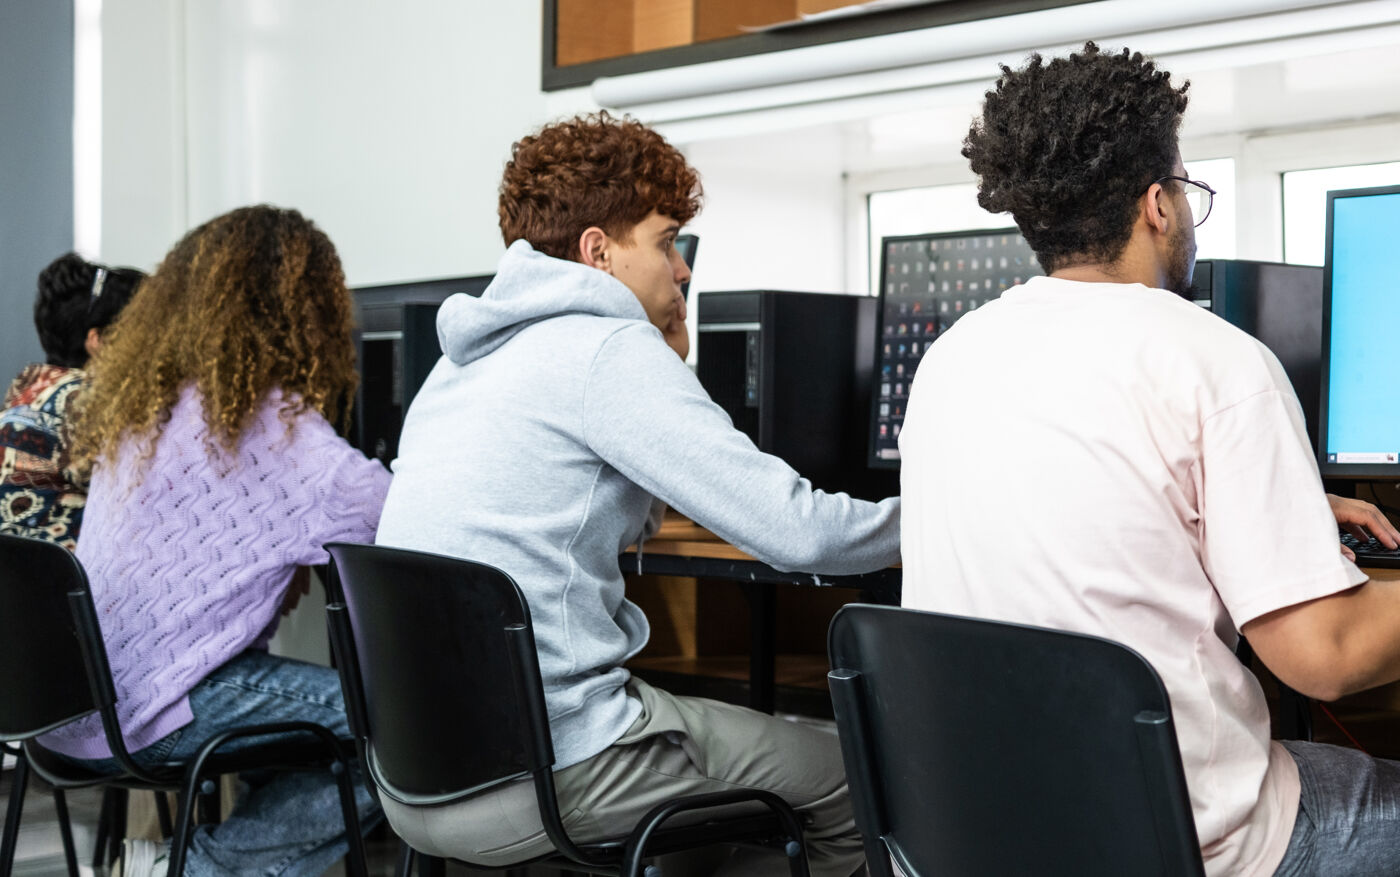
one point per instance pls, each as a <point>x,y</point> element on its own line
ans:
<point>847,11</point>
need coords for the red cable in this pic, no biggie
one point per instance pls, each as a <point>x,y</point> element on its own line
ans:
<point>1341,727</point>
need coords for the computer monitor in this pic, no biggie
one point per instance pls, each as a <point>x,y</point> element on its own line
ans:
<point>397,345</point>
<point>1281,305</point>
<point>687,244</point>
<point>928,281</point>
<point>1359,417</point>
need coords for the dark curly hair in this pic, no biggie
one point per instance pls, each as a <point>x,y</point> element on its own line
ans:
<point>592,170</point>
<point>70,301</point>
<point>1068,147</point>
<point>248,302</point>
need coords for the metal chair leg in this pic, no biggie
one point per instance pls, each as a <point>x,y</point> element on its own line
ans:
<point>355,865</point>
<point>65,830</point>
<point>877,859</point>
<point>209,809</point>
<point>117,830</point>
<point>12,813</point>
<point>431,866</point>
<point>405,866</point>
<point>192,789</point>
<point>167,828</point>
<point>104,818</point>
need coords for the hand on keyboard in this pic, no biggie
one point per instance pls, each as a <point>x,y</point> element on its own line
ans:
<point>1364,523</point>
<point>1367,546</point>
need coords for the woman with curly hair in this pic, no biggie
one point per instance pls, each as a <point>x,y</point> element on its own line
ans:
<point>41,492</point>
<point>217,474</point>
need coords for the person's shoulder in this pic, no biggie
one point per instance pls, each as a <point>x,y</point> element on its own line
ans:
<point>1208,330</point>
<point>21,382</point>
<point>1177,319</point>
<point>633,341</point>
<point>288,407</point>
<point>1225,362</point>
<point>285,424</point>
<point>633,358</point>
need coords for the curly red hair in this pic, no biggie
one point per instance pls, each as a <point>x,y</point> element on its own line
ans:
<point>592,170</point>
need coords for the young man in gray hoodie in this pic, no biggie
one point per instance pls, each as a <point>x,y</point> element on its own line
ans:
<point>550,436</point>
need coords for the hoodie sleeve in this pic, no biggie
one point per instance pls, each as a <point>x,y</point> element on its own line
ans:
<point>647,416</point>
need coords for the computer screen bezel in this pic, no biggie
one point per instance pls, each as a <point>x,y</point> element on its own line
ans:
<point>873,461</point>
<point>688,245</point>
<point>1348,471</point>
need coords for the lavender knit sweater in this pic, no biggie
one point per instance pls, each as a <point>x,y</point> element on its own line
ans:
<point>189,556</point>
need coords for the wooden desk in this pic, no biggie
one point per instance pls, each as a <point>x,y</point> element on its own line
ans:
<point>682,548</point>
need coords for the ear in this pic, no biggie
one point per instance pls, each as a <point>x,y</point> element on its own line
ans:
<point>92,342</point>
<point>1157,209</point>
<point>594,249</point>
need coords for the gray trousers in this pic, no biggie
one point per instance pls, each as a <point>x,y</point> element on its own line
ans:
<point>678,746</point>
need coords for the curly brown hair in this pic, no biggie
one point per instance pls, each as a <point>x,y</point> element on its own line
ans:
<point>592,170</point>
<point>247,302</point>
<point>1068,147</point>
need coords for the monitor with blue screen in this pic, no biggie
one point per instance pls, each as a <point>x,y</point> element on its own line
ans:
<point>1360,412</point>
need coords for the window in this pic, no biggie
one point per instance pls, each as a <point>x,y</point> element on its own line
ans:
<point>1305,204</point>
<point>954,207</point>
<point>1215,239</point>
<point>929,209</point>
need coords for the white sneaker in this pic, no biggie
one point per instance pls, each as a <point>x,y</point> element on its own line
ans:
<point>143,858</point>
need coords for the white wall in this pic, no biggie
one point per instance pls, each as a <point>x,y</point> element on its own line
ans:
<point>387,123</point>
<point>773,213</point>
<point>1305,103</point>
<point>142,194</point>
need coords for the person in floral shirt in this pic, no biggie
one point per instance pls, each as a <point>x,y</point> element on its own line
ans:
<point>41,494</point>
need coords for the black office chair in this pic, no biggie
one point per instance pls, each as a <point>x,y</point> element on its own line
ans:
<point>982,748</point>
<point>54,670</point>
<point>442,684</point>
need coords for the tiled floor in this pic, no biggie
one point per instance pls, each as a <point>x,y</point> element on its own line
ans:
<point>40,850</point>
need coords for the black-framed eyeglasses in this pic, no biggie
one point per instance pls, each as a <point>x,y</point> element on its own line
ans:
<point>1199,197</point>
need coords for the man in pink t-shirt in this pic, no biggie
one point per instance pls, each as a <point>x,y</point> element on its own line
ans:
<point>1094,452</point>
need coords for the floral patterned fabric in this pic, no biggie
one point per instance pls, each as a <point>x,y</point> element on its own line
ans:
<point>40,496</point>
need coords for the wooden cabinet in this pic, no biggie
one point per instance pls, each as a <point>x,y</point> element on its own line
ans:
<point>591,30</point>
<point>588,39</point>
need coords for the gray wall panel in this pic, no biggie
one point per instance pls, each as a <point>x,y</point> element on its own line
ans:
<point>36,162</point>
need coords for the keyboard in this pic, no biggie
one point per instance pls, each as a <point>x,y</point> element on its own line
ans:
<point>1372,553</point>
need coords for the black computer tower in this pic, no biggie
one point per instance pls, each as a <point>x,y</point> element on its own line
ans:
<point>397,344</point>
<point>1279,304</point>
<point>793,371</point>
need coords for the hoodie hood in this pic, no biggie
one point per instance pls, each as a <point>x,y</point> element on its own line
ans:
<point>529,286</point>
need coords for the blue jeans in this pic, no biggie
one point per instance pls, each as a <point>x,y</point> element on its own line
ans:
<point>288,823</point>
<point>1349,814</point>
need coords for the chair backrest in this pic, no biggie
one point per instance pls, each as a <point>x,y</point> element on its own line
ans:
<point>438,662</point>
<point>983,748</point>
<point>46,624</point>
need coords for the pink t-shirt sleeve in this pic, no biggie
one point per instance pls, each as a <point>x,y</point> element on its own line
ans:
<point>1268,539</point>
